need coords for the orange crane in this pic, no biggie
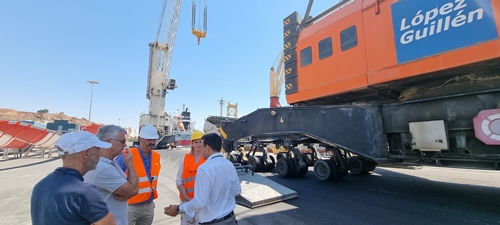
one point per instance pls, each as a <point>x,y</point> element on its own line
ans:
<point>384,81</point>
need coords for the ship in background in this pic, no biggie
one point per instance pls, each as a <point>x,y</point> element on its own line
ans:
<point>179,134</point>
<point>212,123</point>
<point>182,132</point>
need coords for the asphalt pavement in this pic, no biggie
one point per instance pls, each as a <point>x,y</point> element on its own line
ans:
<point>430,195</point>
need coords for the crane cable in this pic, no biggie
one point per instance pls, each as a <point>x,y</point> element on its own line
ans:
<point>278,58</point>
<point>277,76</point>
<point>161,20</point>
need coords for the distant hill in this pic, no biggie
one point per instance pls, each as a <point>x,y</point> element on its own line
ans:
<point>10,114</point>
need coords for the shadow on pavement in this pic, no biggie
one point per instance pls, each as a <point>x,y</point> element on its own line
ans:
<point>27,165</point>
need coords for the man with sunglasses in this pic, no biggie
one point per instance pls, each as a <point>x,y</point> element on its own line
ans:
<point>147,166</point>
<point>115,186</point>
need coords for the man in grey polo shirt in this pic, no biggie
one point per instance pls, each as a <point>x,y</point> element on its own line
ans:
<point>113,184</point>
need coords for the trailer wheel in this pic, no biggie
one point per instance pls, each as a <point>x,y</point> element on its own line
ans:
<point>243,160</point>
<point>281,155</point>
<point>268,166</point>
<point>323,170</point>
<point>293,166</point>
<point>343,173</point>
<point>356,165</point>
<point>283,167</point>
<point>339,172</point>
<point>256,163</point>
<point>309,159</point>
<point>233,158</point>
<point>302,171</point>
<point>370,165</point>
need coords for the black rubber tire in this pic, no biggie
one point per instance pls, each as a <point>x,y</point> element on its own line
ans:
<point>293,167</point>
<point>283,167</point>
<point>323,170</point>
<point>256,163</point>
<point>233,158</point>
<point>281,155</point>
<point>302,171</point>
<point>269,166</point>
<point>370,165</point>
<point>309,159</point>
<point>356,165</point>
<point>343,173</point>
<point>339,173</point>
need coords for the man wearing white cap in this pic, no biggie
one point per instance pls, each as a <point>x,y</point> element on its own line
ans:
<point>62,197</point>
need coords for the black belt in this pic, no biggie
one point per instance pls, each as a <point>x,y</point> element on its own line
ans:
<point>231,214</point>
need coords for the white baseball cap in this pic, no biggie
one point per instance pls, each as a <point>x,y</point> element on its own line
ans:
<point>75,142</point>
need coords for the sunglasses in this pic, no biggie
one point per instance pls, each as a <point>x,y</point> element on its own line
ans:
<point>122,141</point>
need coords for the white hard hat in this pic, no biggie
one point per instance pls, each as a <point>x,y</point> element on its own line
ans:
<point>148,132</point>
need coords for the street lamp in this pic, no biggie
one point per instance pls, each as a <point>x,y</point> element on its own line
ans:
<point>91,94</point>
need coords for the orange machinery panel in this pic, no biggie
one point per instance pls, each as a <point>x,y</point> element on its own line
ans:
<point>397,40</point>
<point>342,71</point>
<point>450,34</point>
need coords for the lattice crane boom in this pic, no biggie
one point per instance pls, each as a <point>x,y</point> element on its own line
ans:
<point>160,59</point>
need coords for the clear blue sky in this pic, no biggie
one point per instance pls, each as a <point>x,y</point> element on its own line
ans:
<point>49,49</point>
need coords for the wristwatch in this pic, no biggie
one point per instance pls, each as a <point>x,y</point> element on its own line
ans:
<point>178,210</point>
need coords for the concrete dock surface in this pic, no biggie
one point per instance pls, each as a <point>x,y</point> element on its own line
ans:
<point>445,190</point>
<point>19,175</point>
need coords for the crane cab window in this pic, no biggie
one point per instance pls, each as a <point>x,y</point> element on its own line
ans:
<point>348,38</point>
<point>325,48</point>
<point>306,56</point>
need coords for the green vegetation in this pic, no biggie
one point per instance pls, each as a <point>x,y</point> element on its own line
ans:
<point>43,111</point>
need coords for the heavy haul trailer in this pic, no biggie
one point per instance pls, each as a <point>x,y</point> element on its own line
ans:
<point>384,80</point>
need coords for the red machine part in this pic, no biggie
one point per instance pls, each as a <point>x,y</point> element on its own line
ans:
<point>487,126</point>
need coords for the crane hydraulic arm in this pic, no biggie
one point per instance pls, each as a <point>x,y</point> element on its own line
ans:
<point>160,59</point>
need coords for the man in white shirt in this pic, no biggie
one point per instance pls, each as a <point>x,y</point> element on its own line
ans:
<point>115,187</point>
<point>217,184</point>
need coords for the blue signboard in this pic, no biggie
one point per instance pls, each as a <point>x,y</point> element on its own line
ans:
<point>424,28</point>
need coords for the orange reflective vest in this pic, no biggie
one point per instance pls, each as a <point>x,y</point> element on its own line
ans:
<point>189,174</point>
<point>145,186</point>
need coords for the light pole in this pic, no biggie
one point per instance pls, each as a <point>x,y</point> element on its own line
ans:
<point>91,94</point>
